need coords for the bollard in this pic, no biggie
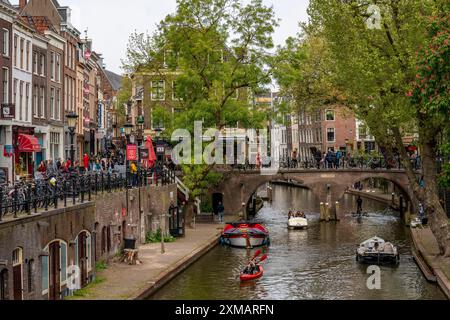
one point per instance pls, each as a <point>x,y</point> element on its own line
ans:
<point>327,212</point>
<point>338,207</point>
<point>322,211</point>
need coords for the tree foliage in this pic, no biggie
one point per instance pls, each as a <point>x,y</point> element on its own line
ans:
<point>215,51</point>
<point>374,67</point>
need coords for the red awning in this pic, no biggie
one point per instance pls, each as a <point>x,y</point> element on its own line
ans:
<point>28,143</point>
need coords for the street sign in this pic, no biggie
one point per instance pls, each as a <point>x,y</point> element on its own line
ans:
<point>160,149</point>
<point>132,152</point>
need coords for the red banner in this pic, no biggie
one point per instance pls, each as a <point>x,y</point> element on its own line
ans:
<point>132,152</point>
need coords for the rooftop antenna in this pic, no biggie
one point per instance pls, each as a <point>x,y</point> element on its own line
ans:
<point>86,33</point>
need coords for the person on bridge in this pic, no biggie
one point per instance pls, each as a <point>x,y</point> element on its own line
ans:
<point>359,203</point>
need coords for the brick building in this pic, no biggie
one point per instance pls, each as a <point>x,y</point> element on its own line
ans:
<point>7,111</point>
<point>338,129</point>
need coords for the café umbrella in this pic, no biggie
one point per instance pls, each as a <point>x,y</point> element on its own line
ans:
<point>151,152</point>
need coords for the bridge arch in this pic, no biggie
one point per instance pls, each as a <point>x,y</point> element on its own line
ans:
<point>327,185</point>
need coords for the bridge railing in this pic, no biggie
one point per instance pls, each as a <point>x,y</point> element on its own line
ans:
<point>372,163</point>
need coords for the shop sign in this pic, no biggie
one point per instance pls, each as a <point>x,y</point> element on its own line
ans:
<point>144,154</point>
<point>8,111</point>
<point>132,152</point>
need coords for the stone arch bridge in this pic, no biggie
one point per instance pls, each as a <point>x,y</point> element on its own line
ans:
<point>329,186</point>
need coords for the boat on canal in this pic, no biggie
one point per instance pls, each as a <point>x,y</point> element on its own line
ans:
<point>258,273</point>
<point>297,220</point>
<point>295,223</point>
<point>376,250</point>
<point>245,235</point>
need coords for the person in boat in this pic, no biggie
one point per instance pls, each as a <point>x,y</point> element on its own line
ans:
<point>251,267</point>
<point>290,214</point>
<point>376,246</point>
<point>359,203</point>
<point>302,215</point>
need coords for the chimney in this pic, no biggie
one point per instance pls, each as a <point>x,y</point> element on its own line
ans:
<point>22,4</point>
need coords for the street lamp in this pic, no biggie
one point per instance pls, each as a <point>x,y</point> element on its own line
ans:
<point>128,129</point>
<point>72,120</point>
<point>140,134</point>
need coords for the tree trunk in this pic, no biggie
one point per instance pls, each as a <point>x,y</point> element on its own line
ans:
<point>189,214</point>
<point>429,197</point>
<point>434,209</point>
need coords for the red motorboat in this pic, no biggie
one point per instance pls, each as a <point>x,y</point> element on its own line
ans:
<point>249,277</point>
<point>245,234</point>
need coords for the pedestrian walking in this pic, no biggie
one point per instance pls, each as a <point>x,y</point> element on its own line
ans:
<point>221,211</point>
<point>86,162</point>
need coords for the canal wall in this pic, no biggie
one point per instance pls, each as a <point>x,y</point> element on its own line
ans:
<point>138,282</point>
<point>38,251</point>
<point>426,253</point>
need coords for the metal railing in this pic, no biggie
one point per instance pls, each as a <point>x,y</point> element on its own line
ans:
<point>72,188</point>
<point>371,163</point>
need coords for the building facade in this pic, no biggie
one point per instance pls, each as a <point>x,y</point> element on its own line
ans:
<point>7,111</point>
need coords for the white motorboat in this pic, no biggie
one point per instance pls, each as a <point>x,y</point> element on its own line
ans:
<point>376,250</point>
<point>298,223</point>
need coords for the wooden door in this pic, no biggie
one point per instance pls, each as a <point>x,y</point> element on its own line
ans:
<point>82,258</point>
<point>17,274</point>
<point>54,271</point>
<point>17,282</point>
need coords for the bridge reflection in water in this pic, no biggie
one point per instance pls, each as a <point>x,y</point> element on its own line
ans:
<point>318,263</point>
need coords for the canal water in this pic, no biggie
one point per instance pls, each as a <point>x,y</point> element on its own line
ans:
<point>317,263</point>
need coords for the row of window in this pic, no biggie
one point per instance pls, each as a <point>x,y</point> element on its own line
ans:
<point>39,65</point>
<point>21,53</point>
<point>310,136</point>
<point>21,98</point>
<point>304,119</point>
<point>39,103</point>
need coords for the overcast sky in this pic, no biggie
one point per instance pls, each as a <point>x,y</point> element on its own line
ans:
<point>110,22</point>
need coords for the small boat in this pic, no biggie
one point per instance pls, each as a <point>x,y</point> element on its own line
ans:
<point>245,235</point>
<point>297,223</point>
<point>376,250</point>
<point>256,275</point>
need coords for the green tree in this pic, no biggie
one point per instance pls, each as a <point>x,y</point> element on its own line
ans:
<point>218,50</point>
<point>431,87</point>
<point>373,65</point>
